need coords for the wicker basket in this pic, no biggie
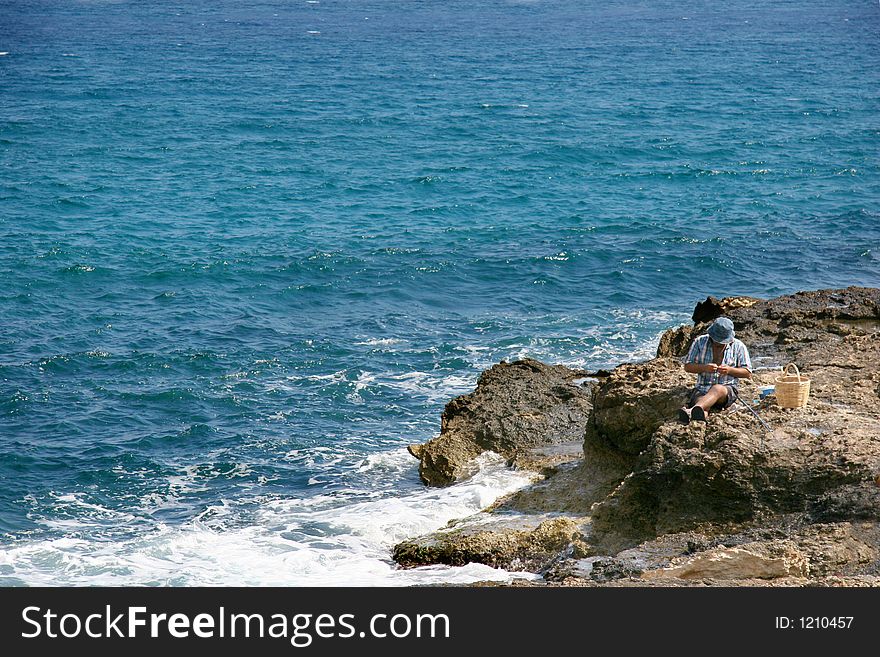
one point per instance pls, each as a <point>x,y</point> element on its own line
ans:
<point>792,390</point>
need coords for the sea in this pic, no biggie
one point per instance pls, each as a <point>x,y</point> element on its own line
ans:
<point>249,250</point>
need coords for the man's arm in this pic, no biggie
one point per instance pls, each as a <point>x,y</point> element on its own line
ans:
<point>743,370</point>
<point>738,372</point>
<point>694,368</point>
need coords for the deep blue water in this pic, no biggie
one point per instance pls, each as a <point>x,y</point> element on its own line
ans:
<point>248,253</point>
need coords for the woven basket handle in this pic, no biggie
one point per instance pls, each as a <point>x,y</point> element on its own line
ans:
<point>796,371</point>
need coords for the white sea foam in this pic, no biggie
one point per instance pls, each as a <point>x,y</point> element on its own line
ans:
<point>287,542</point>
<point>335,377</point>
<point>396,460</point>
<point>378,342</point>
<point>363,380</point>
<point>432,386</point>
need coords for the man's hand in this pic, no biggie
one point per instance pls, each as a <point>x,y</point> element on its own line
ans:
<point>723,370</point>
<point>711,368</point>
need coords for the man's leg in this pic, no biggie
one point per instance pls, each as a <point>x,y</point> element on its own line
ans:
<point>684,413</point>
<point>717,394</point>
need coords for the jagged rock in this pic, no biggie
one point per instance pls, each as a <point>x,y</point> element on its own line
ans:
<point>856,502</point>
<point>786,326</point>
<point>676,342</point>
<point>712,308</point>
<point>851,303</point>
<point>831,548</point>
<point>571,487</point>
<point>511,547</point>
<point>783,328</point>
<point>783,547</point>
<point>517,406</point>
<point>631,403</point>
<point>607,569</point>
<point>738,563</point>
<point>547,459</point>
<point>815,551</point>
<point>726,470</point>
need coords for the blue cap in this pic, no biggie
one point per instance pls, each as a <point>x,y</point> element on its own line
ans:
<point>722,330</point>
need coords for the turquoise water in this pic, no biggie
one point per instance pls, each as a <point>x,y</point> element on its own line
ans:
<point>248,253</point>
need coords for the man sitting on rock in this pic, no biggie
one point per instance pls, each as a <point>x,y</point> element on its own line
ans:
<point>719,360</point>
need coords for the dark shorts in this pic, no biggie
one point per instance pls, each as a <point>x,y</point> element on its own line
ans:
<point>732,395</point>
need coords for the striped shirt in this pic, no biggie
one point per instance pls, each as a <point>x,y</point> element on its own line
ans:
<point>735,355</point>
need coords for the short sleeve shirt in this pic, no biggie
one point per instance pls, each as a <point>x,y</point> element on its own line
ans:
<point>735,355</point>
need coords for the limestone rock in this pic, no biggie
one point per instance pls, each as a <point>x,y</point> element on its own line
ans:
<point>676,342</point>
<point>737,563</point>
<point>514,544</point>
<point>728,470</point>
<point>712,308</point>
<point>854,502</point>
<point>832,548</point>
<point>814,551</point>
<point>634,400</point>
<point>516,407</point>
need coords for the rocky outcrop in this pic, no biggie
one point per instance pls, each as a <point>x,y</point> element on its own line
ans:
<point>676,342</point>
<point>854,502</point>
<point>786,326</point>
<point>510,543</point>
<point>759,561</point>
<point>659,502</point>
<point>771,325</point>
<point>712,308</point>
<point>822,457</point>
<point>634,400</point>
<point>785,550</point>
<point>516,407</point>
<point>729,470</point>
